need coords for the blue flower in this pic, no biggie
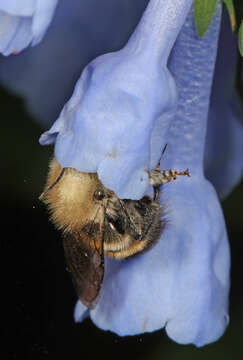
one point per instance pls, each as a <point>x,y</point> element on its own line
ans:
<point>73,33</point>
<point>111,123</point>
<point>125,107</point>
<point>23,23</point>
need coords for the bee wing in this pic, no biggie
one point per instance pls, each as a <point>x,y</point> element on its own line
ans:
<point>86,265</point>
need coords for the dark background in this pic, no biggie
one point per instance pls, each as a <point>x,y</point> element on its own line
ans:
<point>37,315</point>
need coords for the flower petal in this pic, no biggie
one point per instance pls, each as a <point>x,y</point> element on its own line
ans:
<point>80,312</point>
<point>21,26</point>
<point>18,8</point>
<point>43,15</point>
<point>199,298</point>
<point>15,33</point>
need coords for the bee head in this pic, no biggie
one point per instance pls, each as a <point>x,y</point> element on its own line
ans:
<point>75,198</point>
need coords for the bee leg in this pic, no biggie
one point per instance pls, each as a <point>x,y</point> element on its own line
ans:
<point>156,192</point>
<point>157,177</point>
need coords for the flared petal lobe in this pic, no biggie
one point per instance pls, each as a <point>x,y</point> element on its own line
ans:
<point>25,24</point>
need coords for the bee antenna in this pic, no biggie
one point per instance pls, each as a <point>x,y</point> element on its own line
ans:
<point>164,150</point>
<point>158,169</point>
<point>158,166</point>
<point>53,184</point>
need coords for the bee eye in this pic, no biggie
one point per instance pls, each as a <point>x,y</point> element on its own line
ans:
<point>99,195</point>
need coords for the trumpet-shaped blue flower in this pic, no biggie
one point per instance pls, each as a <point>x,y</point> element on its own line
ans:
<point>111,122</point>
<point>23,23</point>
<point>125,107</point>
<point>73,32</point>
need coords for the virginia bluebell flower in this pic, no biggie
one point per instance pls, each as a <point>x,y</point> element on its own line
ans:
<point>23,23</point>
<point>72,27</point>
<point>124,109</point>
<point>182,283</point>
<point>110,124</point>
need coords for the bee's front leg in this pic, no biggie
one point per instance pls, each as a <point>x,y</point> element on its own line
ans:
<point>158,176</point>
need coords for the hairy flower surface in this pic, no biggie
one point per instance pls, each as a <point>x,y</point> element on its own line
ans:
<point>23,23</point>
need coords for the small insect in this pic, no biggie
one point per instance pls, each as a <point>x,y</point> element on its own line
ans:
<point>96,223</point>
